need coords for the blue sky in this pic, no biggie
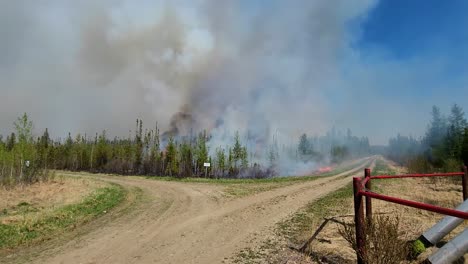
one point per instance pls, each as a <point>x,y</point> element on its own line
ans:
<point>414,28</point>
<point>424,29</point>
<point>415,54</point>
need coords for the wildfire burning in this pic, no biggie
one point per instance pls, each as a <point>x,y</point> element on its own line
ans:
<point>324,169</point>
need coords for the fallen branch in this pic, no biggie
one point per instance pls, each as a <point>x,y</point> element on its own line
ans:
<point>321,227</point>
<point>334,219</point>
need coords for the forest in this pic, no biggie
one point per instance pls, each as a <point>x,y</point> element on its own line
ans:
<point>444,147</point>
<point>25,158</point>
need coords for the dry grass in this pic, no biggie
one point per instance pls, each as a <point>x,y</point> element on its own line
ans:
<point>331,247</point>
<point>385,244</point>
<point>413,222</point>
<point>27,201</point>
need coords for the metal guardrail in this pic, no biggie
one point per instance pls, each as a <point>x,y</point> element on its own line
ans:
<point>362,187</point>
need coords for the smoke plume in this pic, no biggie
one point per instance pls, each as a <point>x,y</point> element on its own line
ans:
<point>83,66</point>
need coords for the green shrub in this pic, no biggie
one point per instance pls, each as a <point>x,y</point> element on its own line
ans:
<point>417,247</point>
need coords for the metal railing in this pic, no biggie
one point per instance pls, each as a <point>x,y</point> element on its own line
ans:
<point>362,187</point>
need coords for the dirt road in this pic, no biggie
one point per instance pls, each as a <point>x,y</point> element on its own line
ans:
<point>189,223</point>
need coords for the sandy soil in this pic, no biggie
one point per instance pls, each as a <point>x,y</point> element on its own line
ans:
<point>188,223</point>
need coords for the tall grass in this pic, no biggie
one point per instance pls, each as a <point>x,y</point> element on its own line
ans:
<point>385,244</point>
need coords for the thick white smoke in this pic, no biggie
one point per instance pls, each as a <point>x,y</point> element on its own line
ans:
<point>261,67</point>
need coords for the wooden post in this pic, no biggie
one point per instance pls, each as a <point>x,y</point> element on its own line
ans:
<point>465,183</point>
<point>359,220</point>
<point>367,173</point>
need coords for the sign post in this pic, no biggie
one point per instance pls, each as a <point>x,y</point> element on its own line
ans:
<point>206,164</point>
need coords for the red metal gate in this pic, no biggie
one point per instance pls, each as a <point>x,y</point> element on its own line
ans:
<point>362,187</point>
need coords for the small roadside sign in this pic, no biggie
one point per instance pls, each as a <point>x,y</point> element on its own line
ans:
<point>206,164</point>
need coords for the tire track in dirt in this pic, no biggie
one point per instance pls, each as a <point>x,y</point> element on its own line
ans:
<point>190,223</point>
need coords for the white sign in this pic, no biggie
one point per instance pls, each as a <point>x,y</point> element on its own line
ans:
<point>207,164</point>
<point>27,163</point>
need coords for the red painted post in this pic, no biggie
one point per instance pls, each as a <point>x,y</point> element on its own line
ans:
<point>465,183</point>
<point>359,220</point>
<point>367,173</point>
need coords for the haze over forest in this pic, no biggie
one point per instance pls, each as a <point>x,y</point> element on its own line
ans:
<point>271,67</point>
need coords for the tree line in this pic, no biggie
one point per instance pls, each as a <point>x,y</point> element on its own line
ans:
<point>28,159</point>
<point>335,146</point>
<point>444,147</point>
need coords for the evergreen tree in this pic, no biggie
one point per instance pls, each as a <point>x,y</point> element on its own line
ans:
<point>244,158</point>
<point>273,155</point>
<point>186,159</point>
<point>155,158</point>
<point>43,149</point>
<point>220,162</point>
<point>45,139</point>
<point>171,158</point>
<point>437,129</point>
<point>138,151</point>
<point>11,142</point>
<point>304,147</point>
<point>102,151</point>
<point>464,153</point>
<point>201,153</point>
<point>237,151</point>
<point>456,129</point>
<point>230,162</point>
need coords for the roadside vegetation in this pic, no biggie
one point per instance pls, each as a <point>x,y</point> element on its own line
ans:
<point>30,222</point>
<point>23,160</point>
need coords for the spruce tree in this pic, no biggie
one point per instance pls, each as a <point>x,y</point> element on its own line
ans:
<point>186,159</point>
<point>11,142</point>
<point>171,158</point>
<point>244,158</point>
<point>458,124</point>
<point>220,162</point>
<point>237,151</point>
<point>138,150</point>
<point>304,146</point>
<point>464,154</point>
<point>155,158</point>
<point>201,153</point>
<point>102,151</point>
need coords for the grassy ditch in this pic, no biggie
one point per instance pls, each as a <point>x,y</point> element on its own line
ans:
<point>381,168</point>
<point>302,222</point>
<point>48,225</point>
